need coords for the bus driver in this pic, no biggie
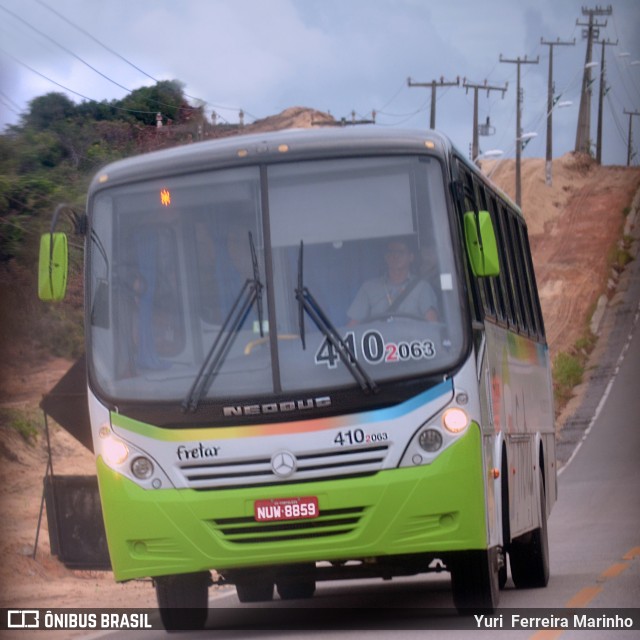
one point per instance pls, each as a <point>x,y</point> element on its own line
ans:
<point>398,291</point>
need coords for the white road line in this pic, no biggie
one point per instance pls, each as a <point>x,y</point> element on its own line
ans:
<point>607,391</point>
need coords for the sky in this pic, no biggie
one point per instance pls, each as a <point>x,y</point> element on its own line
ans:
<point>337,56</point>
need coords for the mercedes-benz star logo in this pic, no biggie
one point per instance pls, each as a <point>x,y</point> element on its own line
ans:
<point>284,464</point>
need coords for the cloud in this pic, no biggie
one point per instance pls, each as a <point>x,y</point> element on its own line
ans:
<point>267,55</point>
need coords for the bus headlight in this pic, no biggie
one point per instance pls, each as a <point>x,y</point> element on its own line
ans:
<point>455,420</point>
<point>114,451</point>
<point>430,440</point>
<point>142,468</point>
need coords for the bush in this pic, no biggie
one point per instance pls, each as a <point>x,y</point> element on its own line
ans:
<point>568,370</point>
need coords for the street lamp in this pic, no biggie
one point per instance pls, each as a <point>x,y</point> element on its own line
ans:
<point>525,138</point>
<point>491,153</point>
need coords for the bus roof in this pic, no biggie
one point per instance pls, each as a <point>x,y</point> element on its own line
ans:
<point>282,146</point>
<point>277,146</point>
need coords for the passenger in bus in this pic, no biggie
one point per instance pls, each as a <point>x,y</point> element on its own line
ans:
<point>399,291</point>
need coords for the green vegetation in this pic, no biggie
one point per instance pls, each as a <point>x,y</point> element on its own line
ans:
<point>569,368</point>
<point>48,159</point>
<point>25,421</point>
<point>621,255</point>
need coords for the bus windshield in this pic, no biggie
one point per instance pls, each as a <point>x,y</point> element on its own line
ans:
<point>218,280</point>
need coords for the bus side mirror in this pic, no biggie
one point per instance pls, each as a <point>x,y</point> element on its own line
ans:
<point>482,248</point>
<point>53,266</point>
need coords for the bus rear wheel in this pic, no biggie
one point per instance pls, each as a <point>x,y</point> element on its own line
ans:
<point>475,580</point>
<point>183,600</point>
<point>529,554</point>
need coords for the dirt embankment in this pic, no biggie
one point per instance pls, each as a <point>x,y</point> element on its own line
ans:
<point>574,227</point>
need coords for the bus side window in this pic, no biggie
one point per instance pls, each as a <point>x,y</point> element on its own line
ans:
<point>468,204</point>
<point>486,285</point>
<point>508,268</point>
<point>520,289</point>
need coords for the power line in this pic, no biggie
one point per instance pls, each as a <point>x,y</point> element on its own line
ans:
<point>102,44</point>
<point>71,53</point>
<point>131,64</point>
<point>24,64</point>
<point>77,57</point>
<point>111,50</point>
<point>10,102</point>
<point>630,114</point>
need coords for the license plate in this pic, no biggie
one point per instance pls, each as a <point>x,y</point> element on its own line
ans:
<point>286,509</point>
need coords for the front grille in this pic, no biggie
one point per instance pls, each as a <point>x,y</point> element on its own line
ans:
<point>257,471</point>
<point>333,522</point>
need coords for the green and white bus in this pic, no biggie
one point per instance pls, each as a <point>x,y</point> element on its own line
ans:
<point>268,402</point>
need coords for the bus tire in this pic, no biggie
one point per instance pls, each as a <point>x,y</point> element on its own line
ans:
<point>183,600</point>
<point>529,554</point>
<point>300,590</point>
<point>506,524</point>
<point>254,590</point>
<point>502,574</point>
<point>475,580</point>
<point>298,582</point>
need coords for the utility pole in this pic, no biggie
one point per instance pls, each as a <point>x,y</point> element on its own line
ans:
<point>604,43</point>
<point>475,147</point>
<point>433,84</point>
<point>629,143</point>
<point>551,101</point>
<point>519,61</point>
<point>592,31</point>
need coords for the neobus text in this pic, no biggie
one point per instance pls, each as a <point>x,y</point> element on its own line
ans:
<point>277,407</point>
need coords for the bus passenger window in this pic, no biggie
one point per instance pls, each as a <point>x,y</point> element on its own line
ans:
<point>150,293</point>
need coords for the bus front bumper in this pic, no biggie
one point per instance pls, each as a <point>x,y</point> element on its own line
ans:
<point>429,509</point>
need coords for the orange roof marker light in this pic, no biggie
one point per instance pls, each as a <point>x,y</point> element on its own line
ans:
<point>165,197</point>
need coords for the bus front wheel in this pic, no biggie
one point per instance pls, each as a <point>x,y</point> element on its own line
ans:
<point>475,580</point>
<point>183,600</point>
<point>254,590</point>
<point>297,582</point>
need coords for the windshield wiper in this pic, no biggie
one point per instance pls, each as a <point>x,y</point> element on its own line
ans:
<point>250,293</point>
<point>258,284</point>
<point>306,302</point>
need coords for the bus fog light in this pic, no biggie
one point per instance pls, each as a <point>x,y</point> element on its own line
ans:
<point>430,440</point>
<point>142,468</point>
<point>455,420</point>
<point>114,451</point>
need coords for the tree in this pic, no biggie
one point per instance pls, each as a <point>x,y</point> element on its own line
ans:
<point>48,110</point>
<point>166,97</point>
